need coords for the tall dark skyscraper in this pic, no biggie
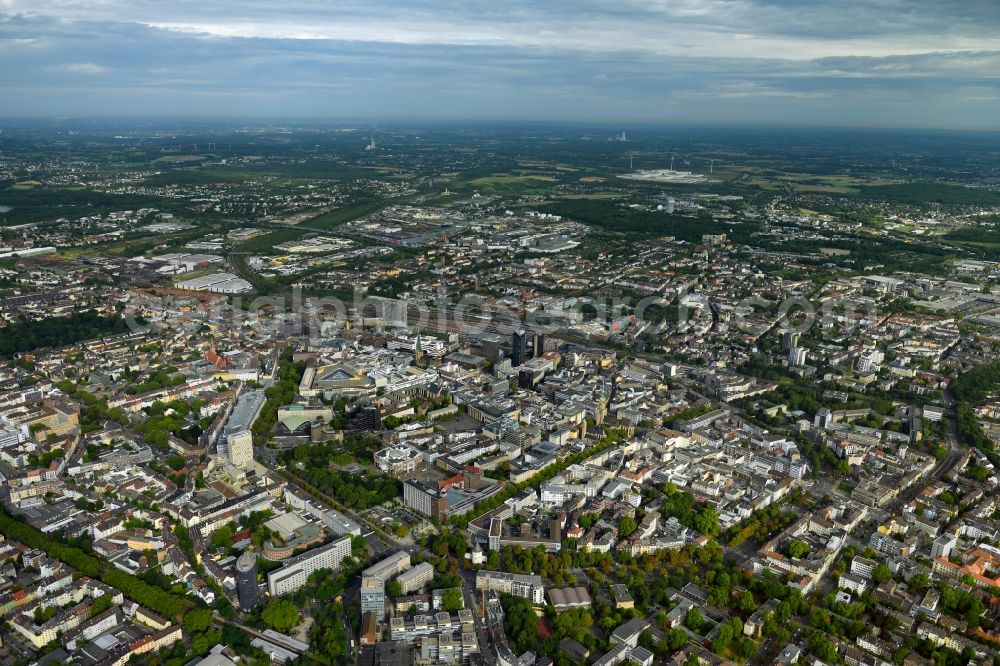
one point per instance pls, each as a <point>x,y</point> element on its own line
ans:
<point>491,348</point>
<point>519,347</point>
<point>525,378</point>
<point>368,417</point>
<point>246,581</point>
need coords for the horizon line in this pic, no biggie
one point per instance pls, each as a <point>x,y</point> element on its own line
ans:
<point>468,121</point>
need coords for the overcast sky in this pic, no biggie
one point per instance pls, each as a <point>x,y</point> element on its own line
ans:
<point>893,63</point>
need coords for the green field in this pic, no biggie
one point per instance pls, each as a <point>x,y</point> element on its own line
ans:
<point>490,181</point>
<point>180,159</point>
<point>341,215</point>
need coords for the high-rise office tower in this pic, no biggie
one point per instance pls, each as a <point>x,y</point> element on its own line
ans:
<point>246,581</point>
<point>519,348</point>
<point>537,344</point>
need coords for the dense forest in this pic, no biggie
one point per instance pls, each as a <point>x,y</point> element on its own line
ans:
<point>611,216</point>
<point>973,387</point>
<point>27,336</point>
<point>922,193</point>
<point>971,433</point>
<point>976,234</point>
<point>43,204</point>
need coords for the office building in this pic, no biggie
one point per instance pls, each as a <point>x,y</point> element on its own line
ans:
<point>870,361</point>
<point>491,348</point>
<point>416,578</point>
<point>373,597</point>
<point>862,566</point>
<point>245,412</point>
<point>442,638</point>
<point>519,348</point>
<point>538,344</point>
<point>246,581</point>
<point>373,582</point>
<point>368,417</point>
<point>628,633</point>
<point>425,499</point>
<point>797,357</point>
<point>340,524</point>
<point>296,571</point>
<point>399,460</point>
<point>241,449</point>
<point>385,569</point>
<point>518,585</point>
<point>525,379</point>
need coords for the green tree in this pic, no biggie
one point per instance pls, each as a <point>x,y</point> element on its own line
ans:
<point>820,646</point>
<point>881,573</point>
<point>745,602</point>
<point>746,649</point>
<point>693,620</point>
<point>452,600</point>
<point>198,620</point>
<point>202,643</point>
<point>796,549</point>
<point>675,639</point>
<point>722,639</point>
<point>718,596</point>
<point>280,615</point>
<point>520,623</point>
<point>223,537</point>
<point>101,604</point>
<point>393,589</point>
<point>706,521</point>
<point>626,526</point>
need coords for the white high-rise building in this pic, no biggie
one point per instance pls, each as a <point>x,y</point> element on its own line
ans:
<point>943,545</point>
<point>797,357</point>
<point>373,597</point>
<point>241,449</point>
<point>870,361</point>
